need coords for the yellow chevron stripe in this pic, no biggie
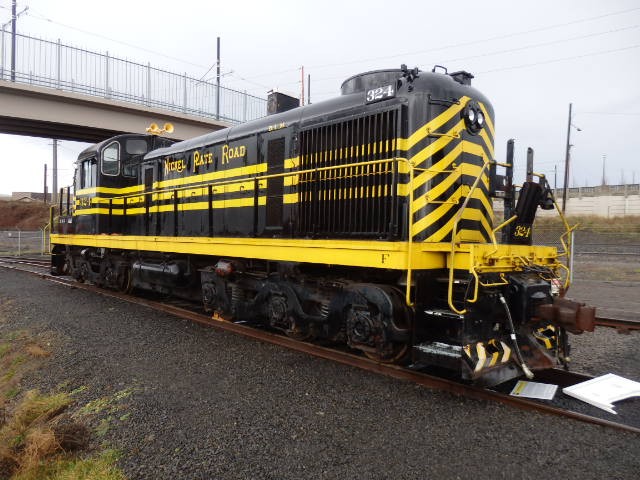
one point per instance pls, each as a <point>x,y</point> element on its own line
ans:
<point>482,356</point>
<point>488,120</point>
<point>433,125</point>
<point>446,183</point>
<point>442,210</point>
<point>487,142</point>
<point>469,214</point>
<point>436,146</point>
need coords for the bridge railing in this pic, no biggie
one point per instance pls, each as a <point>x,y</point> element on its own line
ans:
<point>71,69</point>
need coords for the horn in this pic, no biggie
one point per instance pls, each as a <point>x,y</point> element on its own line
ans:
<point>168,127</point>
<point>153,128</point>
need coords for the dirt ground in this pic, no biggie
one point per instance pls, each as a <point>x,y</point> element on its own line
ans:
<point>612,284</point>
<point>23,215</point>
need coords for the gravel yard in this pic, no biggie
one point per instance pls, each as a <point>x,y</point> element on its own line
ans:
<point>184,401</point>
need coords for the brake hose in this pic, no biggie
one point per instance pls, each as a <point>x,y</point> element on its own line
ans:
<point>528,373</point>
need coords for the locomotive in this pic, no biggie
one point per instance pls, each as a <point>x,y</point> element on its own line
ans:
<point>364,220</point>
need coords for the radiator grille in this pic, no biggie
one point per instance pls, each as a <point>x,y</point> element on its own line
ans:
<point>351,200</point>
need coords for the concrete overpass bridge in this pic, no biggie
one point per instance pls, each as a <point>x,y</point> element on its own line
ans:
<point>49,113</point>
<point>54,90</point>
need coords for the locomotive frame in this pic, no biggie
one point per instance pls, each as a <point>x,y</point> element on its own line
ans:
<point>365,219</point>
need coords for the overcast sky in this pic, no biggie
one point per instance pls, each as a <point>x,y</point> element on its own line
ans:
<point>531,59</point>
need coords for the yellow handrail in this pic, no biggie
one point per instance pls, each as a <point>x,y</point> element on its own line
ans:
<point>454,232</point>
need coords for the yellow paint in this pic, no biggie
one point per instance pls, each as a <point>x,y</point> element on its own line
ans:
<point>488,120</point>
<point>231,153</point>
<point>174,165</point>
<point>388,255</point>
<point>433,125</point>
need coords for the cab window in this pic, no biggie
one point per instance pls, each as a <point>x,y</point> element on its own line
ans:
<point>88,173</point>
<point>134,147</point>
<point>111,159</point>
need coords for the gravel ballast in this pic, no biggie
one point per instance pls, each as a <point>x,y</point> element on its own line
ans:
<point>190,402</point>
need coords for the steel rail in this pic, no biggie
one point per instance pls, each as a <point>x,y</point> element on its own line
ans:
<point>620,324</point>
<point>345,358</point>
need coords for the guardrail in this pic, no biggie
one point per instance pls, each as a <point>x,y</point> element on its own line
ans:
<point>71,69</point>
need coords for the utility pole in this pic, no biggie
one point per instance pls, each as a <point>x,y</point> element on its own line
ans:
<point>567,159</point>
<point>13,40</point>
<point>45,183</point>
<point>302,83</point>
<point>14,17</point>
<point>218,83</point>
<point>555,179</point>
<point>54,172</point>
<point>309,89</point>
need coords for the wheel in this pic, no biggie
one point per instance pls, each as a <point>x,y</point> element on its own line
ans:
<point>381,330</point>
<point>282,319</point>
<point>123,281</point>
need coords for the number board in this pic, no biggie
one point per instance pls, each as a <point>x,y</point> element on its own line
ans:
<point>380,93</point>
<point>521,233</point>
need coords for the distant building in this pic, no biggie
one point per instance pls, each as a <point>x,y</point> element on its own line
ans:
<point>30,197</point>
<point>601,201</point>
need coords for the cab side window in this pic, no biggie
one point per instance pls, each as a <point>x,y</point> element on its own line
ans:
<point>88,173</point>
<point>111,159</point>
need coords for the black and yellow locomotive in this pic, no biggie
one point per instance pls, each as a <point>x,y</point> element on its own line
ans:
<point>366,219</point>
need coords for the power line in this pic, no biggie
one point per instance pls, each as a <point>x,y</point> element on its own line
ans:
<point>543,44</point>
<point>604,52</point>
<point>635,114</point>
<point>536,45</point>
<point>104,37</point>
<point>488,39</point>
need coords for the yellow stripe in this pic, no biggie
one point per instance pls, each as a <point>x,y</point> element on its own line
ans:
<point>494,359</point>
<point>207,177</point>
<point>487,142</point>
<point>507,352</point>
<point>469,214</point>
<point>217,204</point>
<point>291,180</point>
<point>290,198</point>
<point>387,255</point>
<point>290,163</point>
<point>488,120</point>
<point>442,209</point>
<point>436,146</point>
<point>482,356</point>
<point>100,200</point>
<point>446,183</point>
<point>109,190</point>
<point>433,125</point>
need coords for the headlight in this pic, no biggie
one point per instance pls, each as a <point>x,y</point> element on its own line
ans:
<point>473,117</point>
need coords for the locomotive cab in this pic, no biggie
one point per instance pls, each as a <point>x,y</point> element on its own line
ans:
<point>103,170</point>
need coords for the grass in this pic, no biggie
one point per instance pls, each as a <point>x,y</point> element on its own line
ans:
<point>39,440</point>
<point>96,468</point>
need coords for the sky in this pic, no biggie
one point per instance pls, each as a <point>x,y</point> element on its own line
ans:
<point>531,59</point>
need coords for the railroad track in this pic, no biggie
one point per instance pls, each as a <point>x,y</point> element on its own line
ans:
<point>564,407</point>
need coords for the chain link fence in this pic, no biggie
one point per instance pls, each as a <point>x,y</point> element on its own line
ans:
<point>590,241</point>
<point>18,242</point>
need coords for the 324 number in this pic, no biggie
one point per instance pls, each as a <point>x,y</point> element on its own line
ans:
<point>522,231</point>
<point>380,93</point>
